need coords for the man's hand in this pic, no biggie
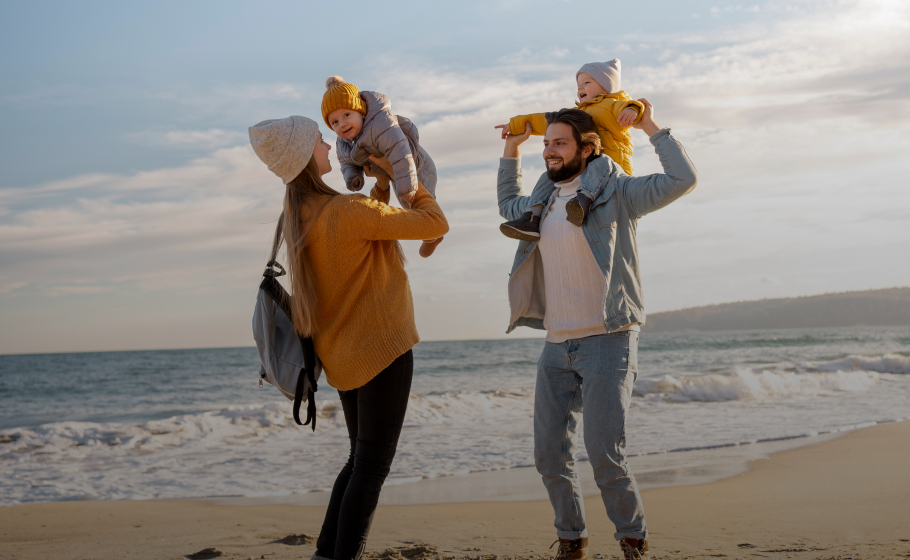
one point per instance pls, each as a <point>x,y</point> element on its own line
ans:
<point>513,141</point>
<point>647,124</point>
<point>627,117</point>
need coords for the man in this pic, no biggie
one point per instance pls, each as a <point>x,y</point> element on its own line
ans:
<point>583,286</point>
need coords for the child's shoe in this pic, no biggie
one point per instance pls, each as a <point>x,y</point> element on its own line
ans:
<point>525,228</point>
<point>427,247</point>
<point>577,209</point>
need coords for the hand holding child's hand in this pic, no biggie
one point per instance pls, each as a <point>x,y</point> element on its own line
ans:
<point>647,124</point>
<point>627,117</point>
<point>513,141</point>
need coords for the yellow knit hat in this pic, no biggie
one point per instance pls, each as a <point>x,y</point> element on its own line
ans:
<point>341,95</point>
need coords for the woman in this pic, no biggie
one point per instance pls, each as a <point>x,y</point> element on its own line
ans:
<point>351,294</point>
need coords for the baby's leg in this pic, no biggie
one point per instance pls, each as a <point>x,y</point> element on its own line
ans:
<point>593,181</point>
<point>426,171</point>
<point>527,226</point>
<point>595,177</point>
<point>541,194</point>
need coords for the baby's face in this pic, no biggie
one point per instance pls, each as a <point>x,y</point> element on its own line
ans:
<point>588,89</point>
<point>346,123</point>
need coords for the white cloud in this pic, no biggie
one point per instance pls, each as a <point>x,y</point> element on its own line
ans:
<point>212,138</point>
<point>798,127</point>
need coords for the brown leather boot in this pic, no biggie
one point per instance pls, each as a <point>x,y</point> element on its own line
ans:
<point>427,247</point>
<point>634,549</point>
<point>571,549</point>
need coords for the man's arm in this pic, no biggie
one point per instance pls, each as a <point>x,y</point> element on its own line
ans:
<point>512,203</point>
<point>653,192</point>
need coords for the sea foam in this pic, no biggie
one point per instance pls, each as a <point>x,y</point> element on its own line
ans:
<point>258,450</point>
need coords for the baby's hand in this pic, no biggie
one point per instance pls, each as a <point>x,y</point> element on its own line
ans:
<point>627,117</point>
<point>409,198</point>
<point>505,129</point>
<point>356,184</point>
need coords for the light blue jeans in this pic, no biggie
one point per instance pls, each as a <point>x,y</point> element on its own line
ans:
<point>597,370</point>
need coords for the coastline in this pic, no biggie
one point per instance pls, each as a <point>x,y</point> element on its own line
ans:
<point>848,495</point>
<point>522,484</point>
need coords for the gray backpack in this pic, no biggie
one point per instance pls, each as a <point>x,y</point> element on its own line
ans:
<point>289,361</point>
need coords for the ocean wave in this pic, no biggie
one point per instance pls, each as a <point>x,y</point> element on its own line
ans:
<point>889,363</point>
<point>257,450</point>
<point>254,450</point>
<point>747,385</point>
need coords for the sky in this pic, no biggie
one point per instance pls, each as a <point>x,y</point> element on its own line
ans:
<point>134,214</point>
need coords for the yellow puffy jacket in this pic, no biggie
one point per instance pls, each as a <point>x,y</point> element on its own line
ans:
<point>604,109</point>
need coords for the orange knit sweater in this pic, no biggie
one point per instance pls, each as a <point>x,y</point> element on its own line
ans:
<point>364,316</point>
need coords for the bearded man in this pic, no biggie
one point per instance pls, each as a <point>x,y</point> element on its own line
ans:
<point>582,285</point>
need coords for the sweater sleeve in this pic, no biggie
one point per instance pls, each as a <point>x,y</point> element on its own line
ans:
<point>653,192</point>
<point>621,105</point>
<point>378,221</point>
<point>538,124</point>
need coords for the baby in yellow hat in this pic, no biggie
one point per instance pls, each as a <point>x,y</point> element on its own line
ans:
<point>599,95</point>
<point>365,126</point>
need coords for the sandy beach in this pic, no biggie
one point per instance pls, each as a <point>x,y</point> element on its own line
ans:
<point>848,497</point>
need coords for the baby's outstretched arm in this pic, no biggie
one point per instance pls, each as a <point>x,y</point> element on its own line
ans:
<point>353,176</point>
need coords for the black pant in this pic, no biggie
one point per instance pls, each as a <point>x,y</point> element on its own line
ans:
<point>374,415</point>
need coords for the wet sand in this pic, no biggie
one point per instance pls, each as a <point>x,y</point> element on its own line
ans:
<point>848,497</point>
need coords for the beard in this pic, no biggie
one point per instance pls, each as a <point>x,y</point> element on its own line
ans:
<point>567,170</point>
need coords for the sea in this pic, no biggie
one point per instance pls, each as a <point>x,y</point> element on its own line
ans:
<point>196,424</point>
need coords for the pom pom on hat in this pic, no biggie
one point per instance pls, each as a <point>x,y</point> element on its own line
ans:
<point>333,81</point>
<point>607,74</point>
<point>340,94</point>
<point>285,145</point>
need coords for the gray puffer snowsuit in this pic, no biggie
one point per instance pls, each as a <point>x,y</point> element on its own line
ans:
<point>392,136</point>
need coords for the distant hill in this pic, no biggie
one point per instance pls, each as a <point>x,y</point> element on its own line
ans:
<point>889,307</point>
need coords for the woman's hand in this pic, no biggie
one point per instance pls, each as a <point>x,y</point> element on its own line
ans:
<point>384,164</point>
<point>513,141</point>
<point>647,124</point>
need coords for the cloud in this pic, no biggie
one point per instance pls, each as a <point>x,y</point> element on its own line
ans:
<point>212,138</point>
<point>798,126</point>
<point>148,229</point>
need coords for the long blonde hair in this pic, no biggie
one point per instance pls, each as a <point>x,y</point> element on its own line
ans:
<point>292,228</point>
<point>300,211</point>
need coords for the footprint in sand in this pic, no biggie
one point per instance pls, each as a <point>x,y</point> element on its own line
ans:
<point>206,553</point>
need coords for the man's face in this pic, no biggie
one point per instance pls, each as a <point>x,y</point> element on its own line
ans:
<point>346,123</point>
<point>561,154</point>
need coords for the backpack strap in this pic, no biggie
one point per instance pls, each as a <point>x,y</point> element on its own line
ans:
<point>274,269</point>
<point>308,371</point>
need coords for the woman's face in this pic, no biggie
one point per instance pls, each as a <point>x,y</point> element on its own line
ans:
<point>321,153</point>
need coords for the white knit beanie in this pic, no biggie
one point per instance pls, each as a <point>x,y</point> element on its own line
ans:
<point>285,145</point>
<point>607,74</point>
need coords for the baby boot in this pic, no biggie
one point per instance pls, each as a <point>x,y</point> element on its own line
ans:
<point>427,247</point>
<point>526,228</point>
<point>577,209</point>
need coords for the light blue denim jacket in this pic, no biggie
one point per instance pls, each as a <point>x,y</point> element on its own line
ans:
<point>609,229</point>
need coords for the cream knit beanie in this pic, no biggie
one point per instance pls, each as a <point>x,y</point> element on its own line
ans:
<point>607,74</point>
<point>285,145</point>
